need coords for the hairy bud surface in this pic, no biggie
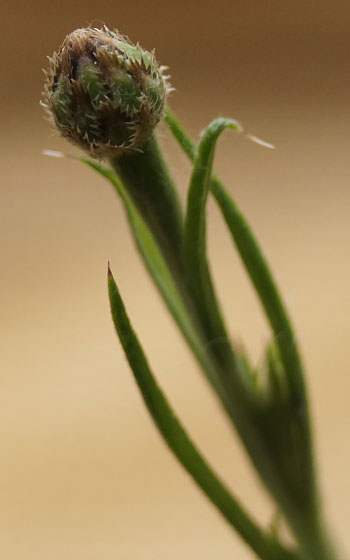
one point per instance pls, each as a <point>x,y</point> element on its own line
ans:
<point>103,93</point>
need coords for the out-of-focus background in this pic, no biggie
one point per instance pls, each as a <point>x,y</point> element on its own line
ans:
<point>83,472</point>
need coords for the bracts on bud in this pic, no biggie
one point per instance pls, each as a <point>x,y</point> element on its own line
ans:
<point>103,93</point>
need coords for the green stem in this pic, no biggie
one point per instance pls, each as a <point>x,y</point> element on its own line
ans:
<point>316,541</point>
<point>147,180</point>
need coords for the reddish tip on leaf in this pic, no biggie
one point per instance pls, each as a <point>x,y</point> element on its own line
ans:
<point>110,275</point>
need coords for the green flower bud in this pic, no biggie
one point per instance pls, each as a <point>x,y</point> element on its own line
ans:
<point>103,93</point>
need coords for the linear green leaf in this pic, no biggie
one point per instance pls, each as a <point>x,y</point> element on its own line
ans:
<point>270,299</point>
<point>179,442</point>
<point>197,269</point>
<point>257,269</point>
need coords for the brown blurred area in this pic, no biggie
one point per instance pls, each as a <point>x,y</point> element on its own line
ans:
<point>83,472</point>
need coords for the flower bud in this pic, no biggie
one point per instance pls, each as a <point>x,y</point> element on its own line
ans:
<point>103,93</point>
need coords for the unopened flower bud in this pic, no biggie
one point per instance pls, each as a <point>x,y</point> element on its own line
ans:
<point>103,93</point>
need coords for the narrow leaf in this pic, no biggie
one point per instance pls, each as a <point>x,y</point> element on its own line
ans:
<point>197,269</point>
<point>257,269</point>
<point>179,442</point>
<point>266,289</point>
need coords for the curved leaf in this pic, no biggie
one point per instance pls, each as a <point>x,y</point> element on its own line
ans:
<point>196,265</point>
<point>271,301</point>
<point>179,442</point>
<point>257,269</point>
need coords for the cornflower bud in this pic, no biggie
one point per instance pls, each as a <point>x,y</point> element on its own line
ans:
<point>103,93</point>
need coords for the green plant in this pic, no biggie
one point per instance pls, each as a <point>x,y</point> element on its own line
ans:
<point>107,96</point>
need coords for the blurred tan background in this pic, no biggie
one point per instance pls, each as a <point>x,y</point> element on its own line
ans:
<point>83,473</point>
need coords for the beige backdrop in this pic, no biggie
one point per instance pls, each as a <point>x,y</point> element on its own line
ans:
<point>83,472</point>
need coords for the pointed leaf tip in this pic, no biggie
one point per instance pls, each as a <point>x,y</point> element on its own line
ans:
<point>109,272</point>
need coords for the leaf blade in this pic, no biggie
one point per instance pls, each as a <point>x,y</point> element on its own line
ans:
<point>256,267</point>
<point>196,264</point>
<point>179,442</point>
<point>262,279</point>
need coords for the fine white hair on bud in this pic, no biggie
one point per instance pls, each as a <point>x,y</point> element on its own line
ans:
<point>103,93</point>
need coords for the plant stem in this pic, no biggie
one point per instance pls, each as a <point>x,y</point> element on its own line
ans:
<point>147,180</point>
